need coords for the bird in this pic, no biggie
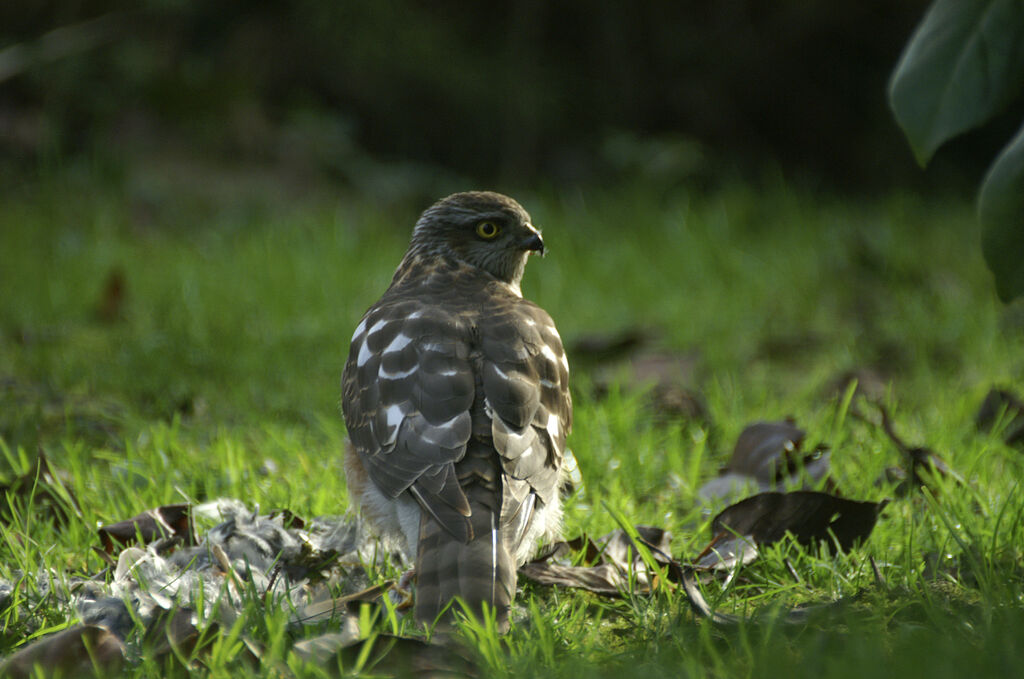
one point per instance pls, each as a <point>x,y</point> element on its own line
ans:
<point>455,396</point>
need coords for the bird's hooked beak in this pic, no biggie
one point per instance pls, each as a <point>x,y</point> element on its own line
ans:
<point>533,241</point>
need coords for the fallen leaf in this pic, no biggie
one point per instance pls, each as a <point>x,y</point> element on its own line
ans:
<point>618,546</point>
<point>603,579</point>
<point>699,604</point>
<point>768,456</point>
<point>809,516</point>
<point>152,524</point>
<point>726,552</point>
<point>565,549</point>
<point>760,446</point>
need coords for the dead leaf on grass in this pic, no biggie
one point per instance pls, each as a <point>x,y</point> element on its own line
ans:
<point>726,552</point>
<point>810,517</point>
<point>152,524</point>
<point>767,456</point>
<point>740,530</point>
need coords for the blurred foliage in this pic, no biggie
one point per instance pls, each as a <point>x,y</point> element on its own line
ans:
<point>515,90</point>
<point>964,64</point>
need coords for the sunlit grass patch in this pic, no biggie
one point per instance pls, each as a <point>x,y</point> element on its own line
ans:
<point>218,376</point>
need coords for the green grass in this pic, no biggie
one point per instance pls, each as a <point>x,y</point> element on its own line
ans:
<point>238,307</point>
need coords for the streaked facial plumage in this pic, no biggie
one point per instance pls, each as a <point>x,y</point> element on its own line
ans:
<point>451,228</point>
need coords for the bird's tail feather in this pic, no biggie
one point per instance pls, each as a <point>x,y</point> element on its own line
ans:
<point>479,571</point>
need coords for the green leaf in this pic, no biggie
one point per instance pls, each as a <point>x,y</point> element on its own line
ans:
<point>1001,211</point>
<point>964,62</point>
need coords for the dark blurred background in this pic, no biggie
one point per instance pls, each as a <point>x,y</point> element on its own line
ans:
<point>522,92</point>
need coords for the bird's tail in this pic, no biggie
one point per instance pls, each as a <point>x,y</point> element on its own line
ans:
<point>480,571</point>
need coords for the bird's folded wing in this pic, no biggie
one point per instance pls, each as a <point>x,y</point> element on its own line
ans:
<point>526,384</point>
<point>407,388</point>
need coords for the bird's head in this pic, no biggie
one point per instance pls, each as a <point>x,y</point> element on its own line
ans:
<point>481,228</point>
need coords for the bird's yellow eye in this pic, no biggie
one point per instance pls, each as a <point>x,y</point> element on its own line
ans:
<point>487,230</point>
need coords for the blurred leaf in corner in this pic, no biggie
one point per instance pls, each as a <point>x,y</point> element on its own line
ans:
<point>1001,212</point>
<point>963,64</point>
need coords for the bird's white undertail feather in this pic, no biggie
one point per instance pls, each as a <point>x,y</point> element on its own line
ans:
<point>494,556</point>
